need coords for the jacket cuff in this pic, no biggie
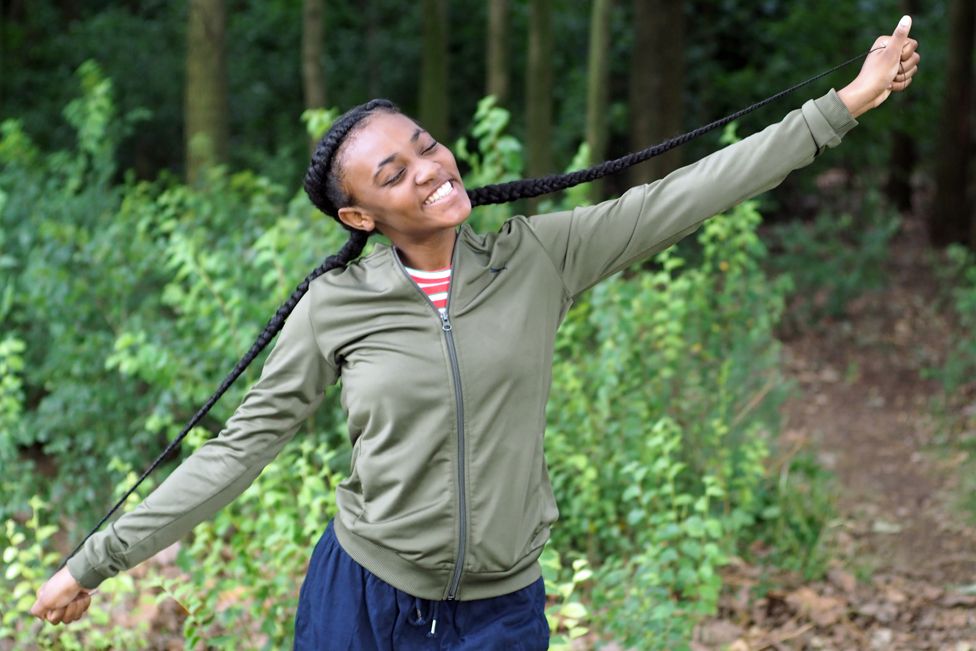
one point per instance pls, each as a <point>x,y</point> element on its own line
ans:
<point>83,573</point>
<point>828,119</point>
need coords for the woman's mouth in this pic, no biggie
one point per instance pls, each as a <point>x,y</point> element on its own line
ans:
<point>441,193</point>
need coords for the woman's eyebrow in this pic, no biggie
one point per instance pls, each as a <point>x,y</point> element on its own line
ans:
<point>388,159</point>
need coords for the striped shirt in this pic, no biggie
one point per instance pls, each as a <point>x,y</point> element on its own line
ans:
<point>435,284</point>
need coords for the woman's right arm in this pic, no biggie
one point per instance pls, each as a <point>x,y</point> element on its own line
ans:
<point>291,386</point>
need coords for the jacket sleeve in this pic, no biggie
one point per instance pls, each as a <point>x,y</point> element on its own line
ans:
<point>588,244</point>
<point>290,388</point>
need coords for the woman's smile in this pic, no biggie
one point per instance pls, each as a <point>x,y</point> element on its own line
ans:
<point>440,194</point>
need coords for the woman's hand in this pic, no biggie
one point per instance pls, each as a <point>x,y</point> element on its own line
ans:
<point>61,599</point>
<point>885,71</point>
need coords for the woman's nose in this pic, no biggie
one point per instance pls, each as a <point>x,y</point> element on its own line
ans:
<point>427,171</point>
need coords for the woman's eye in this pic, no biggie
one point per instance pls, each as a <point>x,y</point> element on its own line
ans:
<point>393,179</point>
<point>432,146</point>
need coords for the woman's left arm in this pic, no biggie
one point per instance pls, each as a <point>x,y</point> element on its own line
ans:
<point>590,243</point>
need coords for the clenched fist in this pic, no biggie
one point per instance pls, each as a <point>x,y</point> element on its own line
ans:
<point>889,69</point>
<point>61,599</point>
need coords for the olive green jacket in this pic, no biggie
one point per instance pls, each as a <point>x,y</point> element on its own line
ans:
<point>448,496</point>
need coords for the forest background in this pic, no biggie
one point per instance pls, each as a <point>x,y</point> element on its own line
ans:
<point>152,218</point>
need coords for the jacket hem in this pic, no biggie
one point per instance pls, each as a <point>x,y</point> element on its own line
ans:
<point>433,584</point>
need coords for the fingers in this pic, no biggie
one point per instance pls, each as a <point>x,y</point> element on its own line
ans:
<point>897,86</point>
<point>70,613</point>
<point>55,615</point>
<point>908,49</point>
<point>908,70</point>
<point>76,608</point>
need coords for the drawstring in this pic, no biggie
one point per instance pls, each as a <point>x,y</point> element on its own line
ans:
<point>420,621</point>
<point>433,620</point>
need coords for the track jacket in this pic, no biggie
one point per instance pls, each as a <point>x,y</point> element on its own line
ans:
<point>448,496</point>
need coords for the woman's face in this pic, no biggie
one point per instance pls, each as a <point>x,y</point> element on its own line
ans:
<point>401,181</point>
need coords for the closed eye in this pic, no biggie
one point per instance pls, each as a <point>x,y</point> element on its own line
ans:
<point>431,147</point>
<point>393,179</point>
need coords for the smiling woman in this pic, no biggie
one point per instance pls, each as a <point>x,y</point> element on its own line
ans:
<point>404,184</point>
<point>448,503</point>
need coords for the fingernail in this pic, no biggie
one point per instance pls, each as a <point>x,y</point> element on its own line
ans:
<point>905,20</point>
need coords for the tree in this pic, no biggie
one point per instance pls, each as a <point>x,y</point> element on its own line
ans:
<point>433,73</point>
<point>496,70</point>
<point>657,74</point>
<point>951,219</point>
<point>313,73</point>
<point>597,87</point>
<point>538,92</point>
<point>205,103</point>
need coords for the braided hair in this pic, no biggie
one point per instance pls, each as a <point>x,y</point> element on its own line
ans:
<point>323,184</point>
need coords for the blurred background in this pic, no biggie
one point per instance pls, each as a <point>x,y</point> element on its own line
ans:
<point>761,438</point>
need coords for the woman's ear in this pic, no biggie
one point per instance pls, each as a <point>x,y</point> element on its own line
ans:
<point>356,218</point>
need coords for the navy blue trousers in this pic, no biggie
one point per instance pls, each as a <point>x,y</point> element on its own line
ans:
<point>344,606</point>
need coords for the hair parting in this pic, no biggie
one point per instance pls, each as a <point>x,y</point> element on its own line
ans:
<point>324,187</point>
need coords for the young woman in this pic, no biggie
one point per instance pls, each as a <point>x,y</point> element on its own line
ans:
<point>443,341</point>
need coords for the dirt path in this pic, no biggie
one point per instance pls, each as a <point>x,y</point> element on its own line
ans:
<point>863,407</point>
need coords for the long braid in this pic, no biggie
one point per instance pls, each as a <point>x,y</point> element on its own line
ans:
<point>325,191</point>
<point>324,188</point>
<point>528,188</point>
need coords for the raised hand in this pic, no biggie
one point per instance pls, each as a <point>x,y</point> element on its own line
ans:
<point>889,69</point>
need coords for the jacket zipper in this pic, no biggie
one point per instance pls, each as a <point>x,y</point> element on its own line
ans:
<point>448,329</point>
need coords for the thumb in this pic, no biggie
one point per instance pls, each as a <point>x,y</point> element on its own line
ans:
<point>900,34</point>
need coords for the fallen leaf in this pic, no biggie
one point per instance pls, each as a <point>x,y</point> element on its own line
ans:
<point>823,611</point>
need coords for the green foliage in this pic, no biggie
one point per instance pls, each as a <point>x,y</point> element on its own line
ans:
<point>567,615</point>
<point>672,579</point>
<point>498,158</point>
<point>11,394</point>
<point>245,566</point>
<point>959,274</point>
<point>28,561</point>
<point>832,260</point>
<point>125,304</point>
<point>670,377</point>
<point>795,507</point>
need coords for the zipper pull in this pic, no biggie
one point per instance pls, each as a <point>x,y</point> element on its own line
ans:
<point>445,323</point>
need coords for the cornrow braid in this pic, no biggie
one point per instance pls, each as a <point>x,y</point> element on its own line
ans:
<point>528,188</point>
<point>323,184</point>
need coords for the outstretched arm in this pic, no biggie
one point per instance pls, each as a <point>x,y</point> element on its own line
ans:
<point>590,243</point>
<point>291,386</point>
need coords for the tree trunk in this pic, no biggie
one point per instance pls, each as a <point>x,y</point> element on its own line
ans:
<point>496,72</point>
<point>373,39</point>
<point>313,72</point>
<point>538,92</point>
<point>433,73</point>
<point>657,77</point>
<point>205,102</point>
<point>951,211</point>
<point>903,150</point>
<point>597,88</point>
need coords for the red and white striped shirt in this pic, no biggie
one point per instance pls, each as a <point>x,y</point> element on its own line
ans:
<point>435,284</point>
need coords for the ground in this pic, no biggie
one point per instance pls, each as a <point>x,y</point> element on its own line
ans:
<point>904,572</point>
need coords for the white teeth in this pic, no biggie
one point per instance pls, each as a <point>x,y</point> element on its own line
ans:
<point>438,194</point>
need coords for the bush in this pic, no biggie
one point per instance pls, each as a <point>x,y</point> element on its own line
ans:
<point>28,560</point>
<point>959,274</point>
